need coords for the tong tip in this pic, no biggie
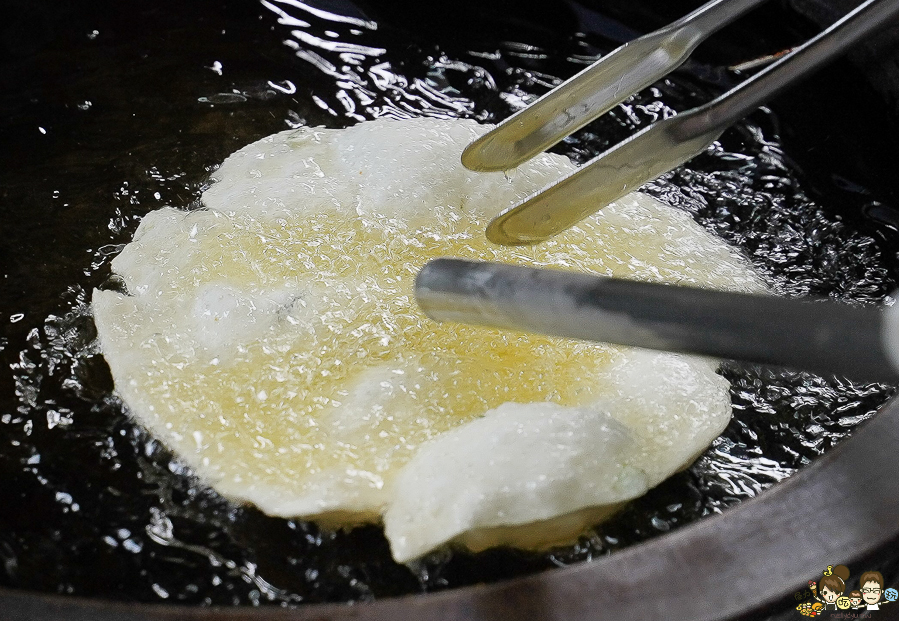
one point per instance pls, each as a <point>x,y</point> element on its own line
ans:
<point>501,233</point>
<point>488,155</point>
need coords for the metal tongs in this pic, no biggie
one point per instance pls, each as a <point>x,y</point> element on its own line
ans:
<point>826,337</point>
<point>661,146</point>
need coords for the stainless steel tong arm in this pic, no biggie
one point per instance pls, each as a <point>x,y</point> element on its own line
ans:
<point>671,142</point>
<point>599,88</point>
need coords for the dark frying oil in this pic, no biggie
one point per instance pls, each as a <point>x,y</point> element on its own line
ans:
<point>111,110</point>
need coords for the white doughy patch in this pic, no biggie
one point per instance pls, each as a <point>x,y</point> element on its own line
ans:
<point>539,461</point>
<point>272,340</point>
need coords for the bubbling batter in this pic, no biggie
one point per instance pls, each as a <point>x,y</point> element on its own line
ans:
<point>272,340</point>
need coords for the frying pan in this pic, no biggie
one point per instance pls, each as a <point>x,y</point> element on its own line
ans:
<point>110,112</point>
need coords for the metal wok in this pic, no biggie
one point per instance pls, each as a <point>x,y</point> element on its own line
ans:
<point>110,111</point>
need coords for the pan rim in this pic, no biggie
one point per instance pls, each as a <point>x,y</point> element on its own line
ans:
<point>725,566</point>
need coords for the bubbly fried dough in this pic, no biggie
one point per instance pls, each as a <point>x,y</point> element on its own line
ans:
<point>272,340</point>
